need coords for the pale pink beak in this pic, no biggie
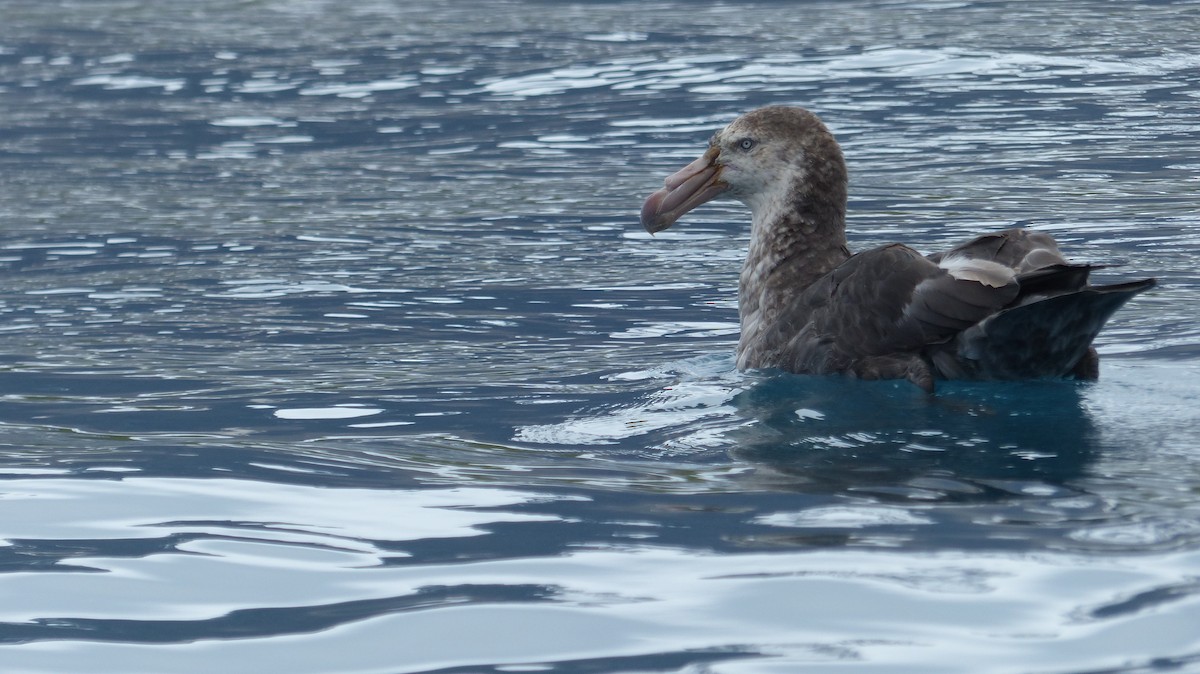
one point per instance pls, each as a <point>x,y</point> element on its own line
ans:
<point>692,185</point>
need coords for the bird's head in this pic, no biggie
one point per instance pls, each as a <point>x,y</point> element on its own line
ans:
<point>770,159</point>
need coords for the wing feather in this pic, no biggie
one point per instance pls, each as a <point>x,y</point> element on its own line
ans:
<point>893,299</point>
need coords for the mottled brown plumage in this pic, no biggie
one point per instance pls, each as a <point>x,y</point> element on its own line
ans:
<point>1001,306</point>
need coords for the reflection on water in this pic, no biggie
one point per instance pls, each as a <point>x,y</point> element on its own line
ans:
<point>330,340</point>
<point>914,448</point>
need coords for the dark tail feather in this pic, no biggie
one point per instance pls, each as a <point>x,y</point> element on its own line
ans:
<point>1043,338</point>
<point>1054,279</point>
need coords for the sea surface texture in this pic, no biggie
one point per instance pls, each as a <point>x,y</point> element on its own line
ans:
<point>330,343</point>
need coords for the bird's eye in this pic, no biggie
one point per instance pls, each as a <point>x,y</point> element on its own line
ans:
<point>746,143</point>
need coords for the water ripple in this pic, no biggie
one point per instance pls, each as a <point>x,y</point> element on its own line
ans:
<point>329,332</point>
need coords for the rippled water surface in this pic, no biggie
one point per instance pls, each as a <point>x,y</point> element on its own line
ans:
<point>330,342</point>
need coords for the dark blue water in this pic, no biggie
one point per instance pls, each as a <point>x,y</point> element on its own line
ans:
<point>330,342</point>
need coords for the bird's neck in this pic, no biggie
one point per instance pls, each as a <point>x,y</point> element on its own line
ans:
<point>790,248</point>
<point>799,225</point>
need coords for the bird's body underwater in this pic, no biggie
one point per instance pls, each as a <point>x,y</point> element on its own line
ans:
<point>1005,305</point>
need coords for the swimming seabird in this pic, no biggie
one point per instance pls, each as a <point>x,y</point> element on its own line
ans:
<point>1005,305</point>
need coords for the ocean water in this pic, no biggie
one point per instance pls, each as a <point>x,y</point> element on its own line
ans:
<point>330,342</point>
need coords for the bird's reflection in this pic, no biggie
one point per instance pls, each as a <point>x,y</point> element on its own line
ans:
<point>970,442</point>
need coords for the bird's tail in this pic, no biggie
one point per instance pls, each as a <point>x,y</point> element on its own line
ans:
<point>1041,336</point>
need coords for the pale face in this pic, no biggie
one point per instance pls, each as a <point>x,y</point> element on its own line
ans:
<point>758,159</point>
<point>759,167</point>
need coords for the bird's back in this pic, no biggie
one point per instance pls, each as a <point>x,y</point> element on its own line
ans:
<point>1001,306</point>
